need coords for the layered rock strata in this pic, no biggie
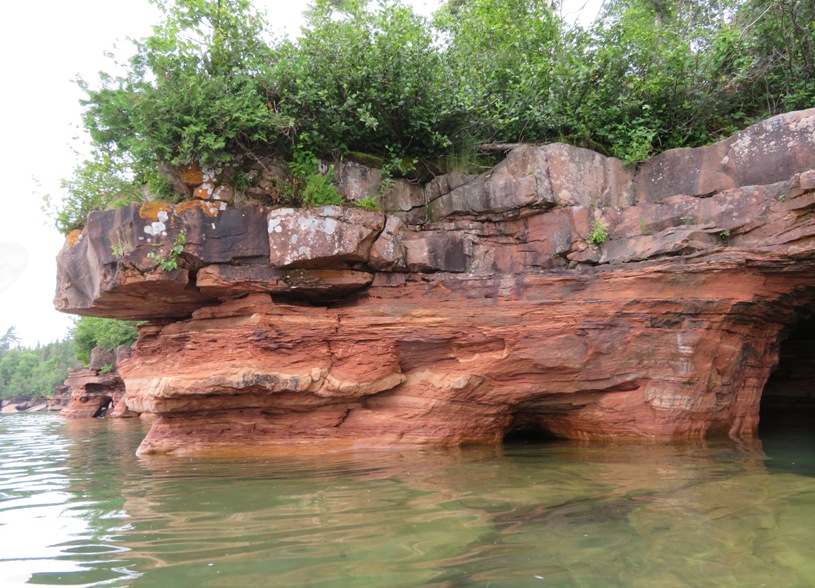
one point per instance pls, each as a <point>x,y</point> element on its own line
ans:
<point>559,292</point>
<point>98,390</point>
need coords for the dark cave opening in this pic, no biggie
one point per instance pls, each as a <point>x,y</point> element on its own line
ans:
<point>788,399</point>
<point>526,429</point>
<point>103,408</point>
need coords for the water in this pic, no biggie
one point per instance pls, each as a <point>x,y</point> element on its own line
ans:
<point>78,508</point>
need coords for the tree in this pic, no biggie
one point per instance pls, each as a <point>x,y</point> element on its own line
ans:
<point>192,93</point>
<point>89,332</point>
<point>506,56</point>
<point>366,78</point>
<point>779,36</point>
<point>35,372</point>
<point>9,340</point>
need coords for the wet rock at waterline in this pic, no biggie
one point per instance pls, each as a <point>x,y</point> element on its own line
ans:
<point>559,292</point>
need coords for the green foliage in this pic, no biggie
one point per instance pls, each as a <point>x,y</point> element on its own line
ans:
<point>208,87</point>
<point>598,235</point>
<point>309,186</point>
<point>32,372</point>
<point>243,179</point>
<point>169,262</point>
<point>506,55</point>
<point>98,183</point>
<point>364,77</point>
<point>648,75</point>
<point>193,91</point>
<point>89,332</point>
<point>779,38</point>
<point>368,203</point>
<point>9,340</point>
<point>643,227</point>
<point>390,167</point>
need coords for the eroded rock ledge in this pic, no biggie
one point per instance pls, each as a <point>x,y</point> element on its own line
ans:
<point>473,306</point>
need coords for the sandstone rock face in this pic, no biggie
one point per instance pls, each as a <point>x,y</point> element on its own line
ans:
<point>499,310</point>
<point>321,237</point>
<point>96,391</point>
<point>91,393</point>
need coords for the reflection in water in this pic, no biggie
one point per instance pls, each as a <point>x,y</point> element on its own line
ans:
<point>78,508</point>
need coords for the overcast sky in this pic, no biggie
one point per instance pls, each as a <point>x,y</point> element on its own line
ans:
<point>44,46</point>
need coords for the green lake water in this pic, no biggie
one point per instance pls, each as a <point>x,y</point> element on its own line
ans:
<point>78,508</point>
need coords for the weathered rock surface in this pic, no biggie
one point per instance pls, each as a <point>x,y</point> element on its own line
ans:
<point>490,314</point>
<point>98,390</point>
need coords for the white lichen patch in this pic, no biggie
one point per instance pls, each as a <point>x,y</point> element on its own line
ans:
<point>274,225</point>
<point>211,173</point>
<point>157,228</point>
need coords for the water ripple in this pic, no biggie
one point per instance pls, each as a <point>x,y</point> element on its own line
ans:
<point>78,508</point>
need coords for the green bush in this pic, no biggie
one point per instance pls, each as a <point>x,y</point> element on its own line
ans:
<point>366,78</point>
<point>374,78</point>
<point>89,332</point>
<point>309,186</point>
<point>99,183</point>
<point>368,203</point>
<point>598,234</point>
<point>193,92</point>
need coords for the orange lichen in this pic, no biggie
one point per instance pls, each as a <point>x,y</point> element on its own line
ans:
<point>151,210</point>
<point>72,237</point>
<point>208,208</point>
<point>192,175</point>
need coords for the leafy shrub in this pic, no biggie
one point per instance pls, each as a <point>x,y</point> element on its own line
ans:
<point>366,79</point>
<point>192,93</point>
<point>89,332</point>
<point>372,77</point>
<point>99,183</point>
<point>598,235</point>
<point>309,186</point>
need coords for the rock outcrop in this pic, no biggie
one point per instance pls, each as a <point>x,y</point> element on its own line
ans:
<point>559,292</point>
<point>98,390</point>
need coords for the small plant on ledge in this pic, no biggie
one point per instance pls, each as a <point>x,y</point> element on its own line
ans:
<point>121,241</point>
<point>368,203</point>
<point>169,263</point>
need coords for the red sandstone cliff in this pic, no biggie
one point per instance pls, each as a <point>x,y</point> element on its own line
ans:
<point>471,307</point>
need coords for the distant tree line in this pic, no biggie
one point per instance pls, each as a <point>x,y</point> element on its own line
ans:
<point>211,86</point>
<point>36,371</point>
